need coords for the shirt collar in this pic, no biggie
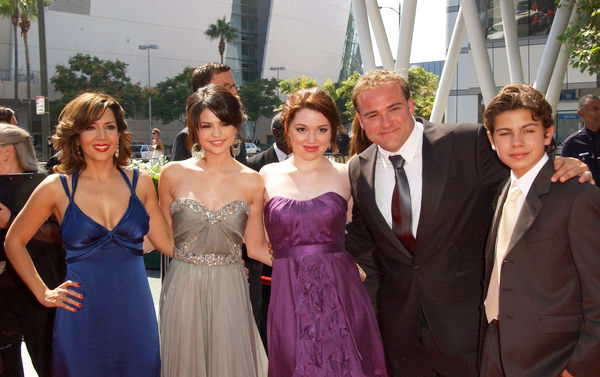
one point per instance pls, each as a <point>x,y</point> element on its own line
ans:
<point>412,146</point>
<point>527,179</point>
<point>280,154</point>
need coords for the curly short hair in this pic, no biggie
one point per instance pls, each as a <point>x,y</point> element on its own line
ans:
<point>515,97</point>
<point>376,78</point>
<point>77,115</point>
<point>313,99</point>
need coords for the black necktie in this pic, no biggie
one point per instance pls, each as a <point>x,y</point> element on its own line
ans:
<point>401,208</point>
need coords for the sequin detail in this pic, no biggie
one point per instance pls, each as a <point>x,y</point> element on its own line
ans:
<point>229,253</point>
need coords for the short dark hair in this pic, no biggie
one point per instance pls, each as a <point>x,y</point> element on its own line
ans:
<point>313,99</point>
<point>6,114</point>
<point>583,100</point>
<point>515,97</point>
<point>217,99</point>
<point>203,74</point>
<point>376,78</point>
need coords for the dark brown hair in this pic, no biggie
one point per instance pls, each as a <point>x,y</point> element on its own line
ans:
<point>6,114</point>
<point>217,99</point>
<point>313,99</point>
<point>374,79</point>
<point>203,74</point>
<point>515,97</point>
<point>77,115</point>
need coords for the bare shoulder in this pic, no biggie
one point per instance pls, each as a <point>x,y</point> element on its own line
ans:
<point>251,178</point>
<point>52,185</point>
<point>340,168</point>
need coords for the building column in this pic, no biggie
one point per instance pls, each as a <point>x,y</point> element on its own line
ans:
<point>364,35</point>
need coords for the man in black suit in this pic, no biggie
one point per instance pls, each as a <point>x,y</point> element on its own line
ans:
<point>258,296</point>
<point>209,73</point>
<point>424,255</point>
<point>276,152</point>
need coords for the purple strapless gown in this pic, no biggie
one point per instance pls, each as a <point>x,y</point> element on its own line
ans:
<point>320,321</point>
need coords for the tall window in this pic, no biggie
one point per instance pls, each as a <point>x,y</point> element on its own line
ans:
<point>534,17</point>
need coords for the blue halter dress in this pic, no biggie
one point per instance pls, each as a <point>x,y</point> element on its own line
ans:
<point>115,332</point>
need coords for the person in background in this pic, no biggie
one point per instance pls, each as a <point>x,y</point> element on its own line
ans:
<point>585,143</point>
<point>209,73</point>
<point>158,148</point>
<point>359,141</point>
<point>105,324</point>
<point>7,115</point>
<point>29,319</point>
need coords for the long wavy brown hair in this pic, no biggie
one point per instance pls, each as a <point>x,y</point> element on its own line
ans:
<point>82,111</point>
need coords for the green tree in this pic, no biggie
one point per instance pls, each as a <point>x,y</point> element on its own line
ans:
<point>290,86</point>
<point>260,98</point>
<point>168,104</point>
<point>423,86</point>
<point>10,9</point>
<point>85,73</point>
<point>582,37</point>
<point>223,31</point>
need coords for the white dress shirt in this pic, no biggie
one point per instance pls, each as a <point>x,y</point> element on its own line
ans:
<point>385,176</point>
<point>280,154</point>
<point>526,181</point>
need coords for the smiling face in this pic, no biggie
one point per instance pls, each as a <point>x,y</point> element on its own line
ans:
<point>100,140</point>
<point>386,115</point>
<point>519,140</point>
<point>309,134</point>
<point>214,135</point>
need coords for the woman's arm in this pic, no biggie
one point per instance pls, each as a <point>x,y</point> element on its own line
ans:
<point>254,235</point>
<point>159,233</point>
<point>40,205</point>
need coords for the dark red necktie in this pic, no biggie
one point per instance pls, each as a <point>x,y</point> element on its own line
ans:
<point>401,208</point>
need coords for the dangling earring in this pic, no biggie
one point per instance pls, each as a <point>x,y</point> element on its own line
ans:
<point>236,147</point>
<point>117,151</point>
<point>197,151</point>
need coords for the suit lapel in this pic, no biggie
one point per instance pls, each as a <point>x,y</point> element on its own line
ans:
<point>437,154</point>
<point>532,204</point>
<point>366,193</point>
<point>490,249</point>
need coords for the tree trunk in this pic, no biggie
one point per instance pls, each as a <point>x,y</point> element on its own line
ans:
<point>221,48</point>
<point>30,116</point>
<point>15,22</point>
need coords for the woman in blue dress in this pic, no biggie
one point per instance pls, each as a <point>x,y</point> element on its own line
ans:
<point>107,325</point>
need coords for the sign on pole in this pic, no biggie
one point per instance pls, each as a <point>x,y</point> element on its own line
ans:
<point>40,105</point>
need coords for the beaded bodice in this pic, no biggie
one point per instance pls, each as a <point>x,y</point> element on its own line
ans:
<point>205,237</point>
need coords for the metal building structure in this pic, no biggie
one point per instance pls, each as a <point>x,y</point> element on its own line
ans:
<point>550,74</point>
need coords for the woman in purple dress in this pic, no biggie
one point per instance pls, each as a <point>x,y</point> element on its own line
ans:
<point>320,320</point>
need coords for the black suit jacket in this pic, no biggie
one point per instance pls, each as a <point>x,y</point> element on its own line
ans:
<point>550,281</point>
<point>442,281</point>
<point>261,159</point>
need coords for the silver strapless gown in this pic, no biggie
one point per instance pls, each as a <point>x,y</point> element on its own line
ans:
<point>206,323</point>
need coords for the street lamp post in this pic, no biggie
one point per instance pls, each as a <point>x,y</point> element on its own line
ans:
<point>149,47</point>
<point>279,68</point>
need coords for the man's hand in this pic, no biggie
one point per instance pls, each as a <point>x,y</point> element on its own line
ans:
<point>569,167</point>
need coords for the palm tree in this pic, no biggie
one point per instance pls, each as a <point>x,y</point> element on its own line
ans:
<point>223,31</point>
<point>27,12</point>
<point>10,8</point>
